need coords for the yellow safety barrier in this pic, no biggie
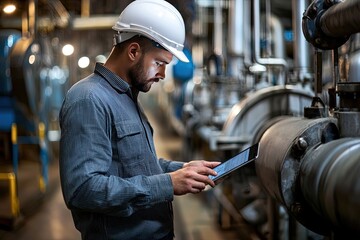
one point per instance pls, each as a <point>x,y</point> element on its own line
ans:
<point>14,200</point>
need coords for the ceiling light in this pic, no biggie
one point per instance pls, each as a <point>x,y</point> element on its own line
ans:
<point>10,8</point>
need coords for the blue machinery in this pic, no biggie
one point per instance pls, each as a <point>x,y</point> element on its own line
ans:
<point>22,121</point>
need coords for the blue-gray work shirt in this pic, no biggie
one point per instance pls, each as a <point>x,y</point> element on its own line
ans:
<point>111,178</point>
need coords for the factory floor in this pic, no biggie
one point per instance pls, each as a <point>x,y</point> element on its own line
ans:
<point>45,217</point>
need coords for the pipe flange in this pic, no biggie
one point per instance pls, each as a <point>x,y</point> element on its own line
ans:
<point>312,29</point>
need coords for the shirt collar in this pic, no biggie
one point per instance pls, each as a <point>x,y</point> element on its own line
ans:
<point>114,80</point>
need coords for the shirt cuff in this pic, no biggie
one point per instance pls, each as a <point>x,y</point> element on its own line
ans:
<point>174,165</point>
<point>161,188</point>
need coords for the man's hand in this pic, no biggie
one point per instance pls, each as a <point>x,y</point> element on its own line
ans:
<point>193,177</point>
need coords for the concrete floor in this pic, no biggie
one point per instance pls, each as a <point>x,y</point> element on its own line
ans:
<point>45,216</point>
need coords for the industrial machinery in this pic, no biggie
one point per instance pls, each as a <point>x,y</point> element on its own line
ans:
<point>310,165</point>
<point>302,108</point>
<point>27,93</point>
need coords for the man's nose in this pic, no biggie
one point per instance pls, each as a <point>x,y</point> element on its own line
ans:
<point>161,72</point>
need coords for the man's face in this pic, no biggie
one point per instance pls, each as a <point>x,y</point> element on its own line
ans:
<point>149,69</point>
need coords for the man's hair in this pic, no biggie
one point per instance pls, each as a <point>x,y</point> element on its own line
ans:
<point>144,42</point>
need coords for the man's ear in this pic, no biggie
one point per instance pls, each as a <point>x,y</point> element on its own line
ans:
<point>134,51</point>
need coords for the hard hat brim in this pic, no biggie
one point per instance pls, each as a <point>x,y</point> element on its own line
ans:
<point>178,54</point>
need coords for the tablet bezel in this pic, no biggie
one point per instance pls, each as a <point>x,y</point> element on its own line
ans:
<point>253,152</point>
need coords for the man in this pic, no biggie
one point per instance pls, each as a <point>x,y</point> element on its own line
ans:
<point>111,178</point>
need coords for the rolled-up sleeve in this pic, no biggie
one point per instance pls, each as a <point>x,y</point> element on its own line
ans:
<point>170,166</point>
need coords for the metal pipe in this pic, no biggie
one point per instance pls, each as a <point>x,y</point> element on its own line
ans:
<point>277,36</point>
<point>264,61</point>
<point>302,64</point>
<point>32,17</point>
<point>236,38</point>
<point>247,32</point>
<point>318,71</point>
<point>218,33</point>
<point>282,148</point>
<point>315,174</point>
<point>341,19</point>
<point>236,27</point>
<point>85,8</point>
<point>330,182</point>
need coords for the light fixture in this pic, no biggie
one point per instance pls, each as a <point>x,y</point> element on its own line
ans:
<point>84,62</point>
<point>68,49</point>
<point>9,8</point>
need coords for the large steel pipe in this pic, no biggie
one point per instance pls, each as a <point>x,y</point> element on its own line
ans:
<point>341,19</point>
<point>305,166</point>
<point>330,183</point>
<point>282,147</point>
<point>327,24</point>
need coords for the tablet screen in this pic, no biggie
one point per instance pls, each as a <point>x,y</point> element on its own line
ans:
<point>241,159</point>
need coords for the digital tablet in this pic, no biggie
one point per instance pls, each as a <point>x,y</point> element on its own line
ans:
<point>244,157</point>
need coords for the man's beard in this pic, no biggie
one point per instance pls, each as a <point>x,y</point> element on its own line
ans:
<point>136,74</point>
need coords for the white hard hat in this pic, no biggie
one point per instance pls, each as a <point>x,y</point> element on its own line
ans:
<point>155,19</point>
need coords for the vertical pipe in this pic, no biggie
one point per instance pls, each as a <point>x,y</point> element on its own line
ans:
<point>247,32</point>
<point>301,46</point>
<point>267,29</point>
<point>335,60</point>
<point>24,24</point>
<point>200,29</point>
<point>318,71</point>
<point>236,37</point>
<point>258,58</point>
<point>277,37</point>
<point>32,15</point>
<point>218,34</point>
<point>236,27</point>
<point>85,8</point>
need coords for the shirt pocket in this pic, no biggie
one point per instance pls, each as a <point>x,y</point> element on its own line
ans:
<point>130,140</point>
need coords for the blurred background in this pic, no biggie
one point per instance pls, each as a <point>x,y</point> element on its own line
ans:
<point>281,73</point>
